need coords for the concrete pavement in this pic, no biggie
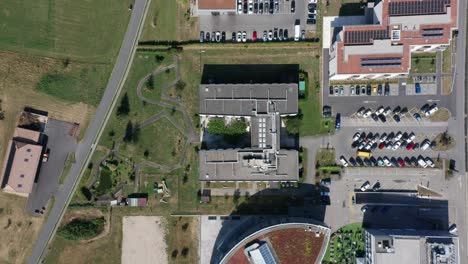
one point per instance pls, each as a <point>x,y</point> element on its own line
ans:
<point>87,146</point>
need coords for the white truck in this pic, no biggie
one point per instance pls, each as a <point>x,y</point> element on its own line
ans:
<point>297,31</point>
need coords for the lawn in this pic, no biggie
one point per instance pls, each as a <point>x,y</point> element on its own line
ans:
<point>345,244</point>
<point>342,8</point>
<point>169,20</point>
<point>79,30</point>
<point>447,57</point>
<point>153,91</point>
<point>423,63</point>
<point>18,229</point>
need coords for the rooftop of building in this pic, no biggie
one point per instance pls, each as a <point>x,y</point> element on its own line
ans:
<point>24,156</point>
<point>285,243</point>
<point>248,99</point>
<point>216,4</point>
<point>381,44</point>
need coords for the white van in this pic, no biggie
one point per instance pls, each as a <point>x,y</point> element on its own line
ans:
<point>297,32</point>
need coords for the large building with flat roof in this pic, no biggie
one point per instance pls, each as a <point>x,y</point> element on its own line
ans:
<point>380,45</point>
<point>208,7</point>
<point>389,246</point>
<point>262,105</point>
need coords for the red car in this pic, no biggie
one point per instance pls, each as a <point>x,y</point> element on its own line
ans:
<point>254,37</point>
<point>382,145</point>
<point>410,146</point>
<point>401,162</point>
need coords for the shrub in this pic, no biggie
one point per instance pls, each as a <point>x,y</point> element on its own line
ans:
<point>80,229</point>
<point>216,126</point>
<point>124,107</point>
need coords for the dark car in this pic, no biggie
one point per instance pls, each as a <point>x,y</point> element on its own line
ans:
<point>425,108</point>
<point>331,90</point>
<point>233,37</point>
<point>359,161</point>
<point>260,8</point>
<point>367,162</point>
<point>374,161</point>
<point>202,36</point>
<point>271,6</point>
<point>376,186</point>
<point>280,34</point>
<point>401,163</point>
<point>417,88</point>
<point>414,161</point>
<point>293,6</point>
<point>325,182</point>
<point>353,161</point>
<point>375,117</point>
<point>207,37</point>
<point>223,36</point>
<point>327,111</point>
<point>368,89</point>
<point>245,7</point>
<point>358,91</point>
<point>382,118</point>
<point>417,116</point>
<point>285,37</point>
<point>275,35</point>
<point>394,162</point>
<point>397,110</point>
<point>379,89</point>
<point>433,145</point>
<point>407,161</point>
<point>311,21</point>
<point>255,9</point>
<point>396,118</point>
<point>338,122</point>
<point>387,89</point>
<point>404,110</point>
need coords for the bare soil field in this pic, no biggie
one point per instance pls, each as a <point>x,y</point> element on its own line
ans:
<point>17,229</point>
<point>143,240</point>
<point>18,77</point>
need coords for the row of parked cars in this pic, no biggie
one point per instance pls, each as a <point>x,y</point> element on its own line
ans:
<point>420,161</point>
<point>394,141</point>
<point>381,114</point>
<point>276,34</point>
<point>375,89</point>
<point>261,6</point>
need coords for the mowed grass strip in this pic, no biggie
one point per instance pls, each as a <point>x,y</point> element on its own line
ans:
<point>91,31</point>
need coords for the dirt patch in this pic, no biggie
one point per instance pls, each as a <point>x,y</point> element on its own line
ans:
<point>442,115</point>
<point>86,214</point>
<point>143,240</point>
<point>18,230</point>
<point>444,142</point>
<point>20,73</point>
<point>447,85</point>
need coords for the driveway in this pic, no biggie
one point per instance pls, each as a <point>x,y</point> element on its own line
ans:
<point>60,143</point>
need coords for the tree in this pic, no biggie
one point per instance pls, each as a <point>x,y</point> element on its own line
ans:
<point>87,193</point>
<point>180,85</point>
<point>128,132</point>
<point>111,133</point>
<point>174,254</point>
<point>185,252</point>
<point>150,82</point>
<point>185,227</point>
<point>80,229</point>
<point>185,179</point>
<point>124,107</point>
<point>146,153</point>
<point>158,58</point>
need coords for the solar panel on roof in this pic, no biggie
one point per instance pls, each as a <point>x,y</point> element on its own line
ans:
<point>365,36</point>
<point>425,7</point>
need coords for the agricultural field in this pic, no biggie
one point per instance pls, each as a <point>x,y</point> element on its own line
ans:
<point>66,29</point>
<point>17,229</point>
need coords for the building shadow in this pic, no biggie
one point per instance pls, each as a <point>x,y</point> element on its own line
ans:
<point>250,73</point>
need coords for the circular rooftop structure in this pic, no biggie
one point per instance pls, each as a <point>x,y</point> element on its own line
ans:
<point>293,242</point>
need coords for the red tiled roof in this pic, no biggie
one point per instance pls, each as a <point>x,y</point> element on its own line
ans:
<point>216,4</point>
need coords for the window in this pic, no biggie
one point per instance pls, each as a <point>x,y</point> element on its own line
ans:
<point>28,150</point>
<point>26,160</point>
<point>20,185</point>
<point>22,175</point>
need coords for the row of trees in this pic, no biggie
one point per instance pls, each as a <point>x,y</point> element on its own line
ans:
<point>82,229</point>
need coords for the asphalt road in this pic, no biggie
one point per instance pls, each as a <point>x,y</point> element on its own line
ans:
<point>459,131</point>
<point>87,146</point>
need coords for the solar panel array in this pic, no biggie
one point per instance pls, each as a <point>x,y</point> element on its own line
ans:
<point>381,62</point>
<point>267,254</point>
<point>365,36</point>
<point>433,33</point>
<point>425,7</point>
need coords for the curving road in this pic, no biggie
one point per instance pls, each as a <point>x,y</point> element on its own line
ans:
<point>87,146</point>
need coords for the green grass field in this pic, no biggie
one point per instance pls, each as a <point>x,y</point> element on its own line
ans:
<point>169,20</point>
<point>423,63</point>
<point>90,31</point>
<point>346,244</point>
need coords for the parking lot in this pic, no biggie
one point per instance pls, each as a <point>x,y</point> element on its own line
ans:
<point>60,143</point>
<point>281,19</point>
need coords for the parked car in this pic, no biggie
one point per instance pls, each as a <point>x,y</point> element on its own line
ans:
<point>383,137</point>
<point>380,110</point>
<point>429,162</point>
<point>360,111</point>
<point>401,162</point>
<point>359,161</point>
<point>421,162</point>
<point>338,122</point>
<point>417,88</point>
<point>207,36</point>
<point>433,145</point>
<point>368,89</point>
<point>387,111</point>
<point>364,208</point>
<point>352,161</point>
<point>254,36</point>
<point>293,6</point>
<point>425,144</point>
<point>382,118</point>
<point>397,110</point>
<point>244,36</point>
<point>376,186</point>
<point>396,145</point>
<point>403,111</point>
<point>396,118</point>
<point>417,116</point>
<point>425,108</point>
<point>379,89</point>
<point>356,136</point>
<point>398,136</point>
<point>387,161</point>
<point>202,36</point>
<point>285,35</point>
<point>365,186</point>
<point>327,111</point>
<point>45,155</point>
<point>387,89</point>
<point>375,117</point>
<point>453,229</point>
<point>239,36</point>
<point>280,34</point>
<point>410,146</point>
<point>367,113</point>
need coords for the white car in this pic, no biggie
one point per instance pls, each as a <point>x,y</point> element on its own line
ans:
<point>453,229</point>
<point>368,146</point>
<point>250,9</point>
<point>432,110</point>
<point>396,145</point>
<point>239,9</point>
<point>387,111</point>
<point>244,36</point>
<point>344,161</point>
<point>383,137</point>
<point>365,186</point>
<point>367,113</point>
<point>429,162</point>
<point>422,163</point>
<point>380,110</point>
<point>312,1</point>
<point>411,137</point>
<point>361,111</point>
<point>387,162</point>
<point>425,144</point>
<point>239,36</point>
<point>356,136</point>
<point>398,136</point>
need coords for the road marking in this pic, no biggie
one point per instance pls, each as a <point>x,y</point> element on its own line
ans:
<point>367,102</point>
<point>430,100</point>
